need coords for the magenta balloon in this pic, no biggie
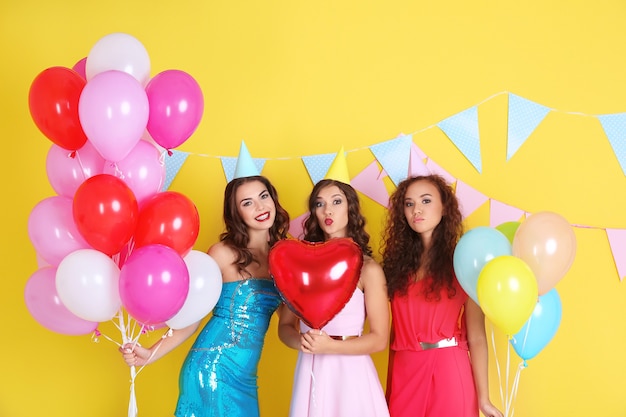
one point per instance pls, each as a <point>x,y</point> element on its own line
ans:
<point>113,111</point>
<point>142,170</point>
<point>176,107</point>
<point>154,283</point>
<point>44,304</point>
<point>67,170</point>
<point>79,67</point>
<point>52,230</point>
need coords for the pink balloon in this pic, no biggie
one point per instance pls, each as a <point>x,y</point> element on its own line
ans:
<point>154,283</point>
<point>67,170</point>
<point>79,67</point>
<point>143,170</point>
<point>546,242</point>
<point>176,106</point>
<point>52,230</point>
<point>44,304</point>
<point>113,111</point>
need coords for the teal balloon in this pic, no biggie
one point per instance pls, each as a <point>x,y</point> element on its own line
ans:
<point>540,328</point>
<point>475,248</point>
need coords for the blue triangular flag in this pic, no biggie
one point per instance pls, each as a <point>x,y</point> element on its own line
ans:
<point>229,164</point>
<point>614,126</point>
<point>173,163</point>
<point>462,129</point>
<point>524,117</point>
<point>393,155</point>
<point>317,165</point>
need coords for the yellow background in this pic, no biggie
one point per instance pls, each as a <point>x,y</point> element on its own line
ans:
<point>297,78</point>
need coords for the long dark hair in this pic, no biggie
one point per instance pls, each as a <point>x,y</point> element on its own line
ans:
<point>236,234</point>
<point>403,248</point>
<point>356,222</point>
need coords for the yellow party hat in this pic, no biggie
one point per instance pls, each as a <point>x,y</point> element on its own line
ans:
<point>338,170</point>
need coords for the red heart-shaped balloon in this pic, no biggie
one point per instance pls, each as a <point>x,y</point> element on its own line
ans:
<point>316,280</point>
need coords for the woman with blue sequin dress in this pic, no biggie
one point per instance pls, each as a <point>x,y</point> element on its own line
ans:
<point>219,375</point>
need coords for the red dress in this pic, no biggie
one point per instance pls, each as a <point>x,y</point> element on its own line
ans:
<point>433,382</point>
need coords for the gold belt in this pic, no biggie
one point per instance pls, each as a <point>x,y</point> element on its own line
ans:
<point>440,344</point>
<point>343,337</point>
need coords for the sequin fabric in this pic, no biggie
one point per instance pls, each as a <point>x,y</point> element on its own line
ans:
<point>219,375</point>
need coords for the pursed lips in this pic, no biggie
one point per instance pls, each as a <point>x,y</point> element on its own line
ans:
<point>328,222</point>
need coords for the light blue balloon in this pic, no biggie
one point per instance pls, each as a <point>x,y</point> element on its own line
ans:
<point>540,328</point>
<point>475,248</point>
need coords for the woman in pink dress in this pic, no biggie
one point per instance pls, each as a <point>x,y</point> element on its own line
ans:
<point>335,375</point>
<point>438,353</point>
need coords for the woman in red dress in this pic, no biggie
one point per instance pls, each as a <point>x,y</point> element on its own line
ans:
<point>438,353</point>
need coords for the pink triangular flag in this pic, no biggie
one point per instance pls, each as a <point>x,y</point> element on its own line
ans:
<point>295,226</point>
<point>469,198</point>
<point>617,241</point>
<point>500,213</point>
<point>370,182</point>
<point>435,168</point>
<point>416,162</point>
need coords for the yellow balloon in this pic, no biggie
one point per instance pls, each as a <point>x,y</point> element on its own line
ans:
<point>507,292</point>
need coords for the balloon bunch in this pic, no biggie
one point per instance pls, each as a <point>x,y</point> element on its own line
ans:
<point>111,239</point>
<point>511,271</point>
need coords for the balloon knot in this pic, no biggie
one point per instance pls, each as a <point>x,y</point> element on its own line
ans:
<point>72,154</point>
<point>169,152</point>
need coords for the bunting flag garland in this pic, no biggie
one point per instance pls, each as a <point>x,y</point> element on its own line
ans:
<point>317,165</point>
<point>295,226</point>
<point>173,164</point>
<point>394,155</point>
<point>500,213</point>
<point>524,117</point>
<point>462,129</point>
<point>617,241</point>
<point>370,182</point>
<point>417,166</point>
<point>469,198</point>
<point>614,126</point>
<point>401,157</point>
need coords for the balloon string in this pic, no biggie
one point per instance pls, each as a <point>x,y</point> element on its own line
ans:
<point>495,355</point>
<point>508,369</point>
<point>520,368</point>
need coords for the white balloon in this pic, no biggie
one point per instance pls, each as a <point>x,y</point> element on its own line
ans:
<point>87,282</point>
<point>205,286</point>
<point>122,52</point>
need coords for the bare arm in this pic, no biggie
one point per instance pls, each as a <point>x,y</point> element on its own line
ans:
<point>479,354</point>
<point>377,311</point>
<point>136,355</point>
<point>288,328</point>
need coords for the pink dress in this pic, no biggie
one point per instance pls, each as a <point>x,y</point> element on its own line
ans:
<point>432,382</point>
<point>338,385</point>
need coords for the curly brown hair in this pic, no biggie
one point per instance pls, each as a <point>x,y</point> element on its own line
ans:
<point>356,221</point>
<point>236,234</point>
<point>403,248</point>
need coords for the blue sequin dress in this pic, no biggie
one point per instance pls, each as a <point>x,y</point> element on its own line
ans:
<point>219,375</point>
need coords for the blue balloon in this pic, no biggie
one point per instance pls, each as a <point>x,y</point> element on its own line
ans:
<point>540,327</point>
<point>475,248</point>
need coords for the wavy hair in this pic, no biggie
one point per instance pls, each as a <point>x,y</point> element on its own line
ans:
<point>236,234</point>
<point>356,221</point>
<point>403,249</point>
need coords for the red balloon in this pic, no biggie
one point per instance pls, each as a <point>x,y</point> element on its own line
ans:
<point>53,103</point>
<point>168,218</point>
<point>316,280</point>
<point>105,212</point>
